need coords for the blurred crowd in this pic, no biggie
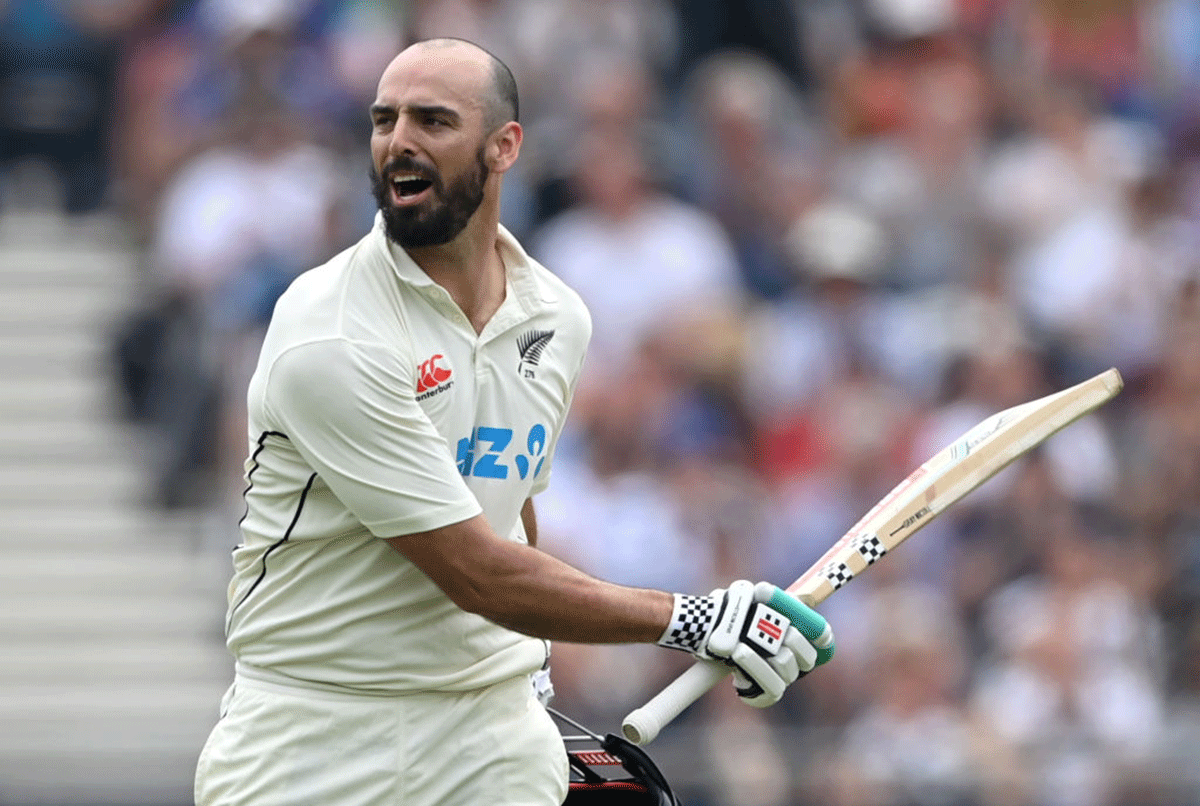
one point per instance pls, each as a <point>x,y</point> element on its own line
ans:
<point>819,239</point>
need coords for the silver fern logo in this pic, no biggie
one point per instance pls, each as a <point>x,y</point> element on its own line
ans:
<point>530,347</point>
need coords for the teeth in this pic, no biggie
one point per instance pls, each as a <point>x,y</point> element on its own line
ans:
<point>407,178</point>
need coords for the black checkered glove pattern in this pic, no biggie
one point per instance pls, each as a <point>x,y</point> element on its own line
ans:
<point>691,622</point>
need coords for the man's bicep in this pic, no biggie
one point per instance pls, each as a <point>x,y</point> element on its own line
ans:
<point>347,410</point>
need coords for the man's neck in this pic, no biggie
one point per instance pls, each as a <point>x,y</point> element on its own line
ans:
<point>470,269</point>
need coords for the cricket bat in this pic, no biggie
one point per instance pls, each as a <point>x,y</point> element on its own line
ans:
<point>943,479</point>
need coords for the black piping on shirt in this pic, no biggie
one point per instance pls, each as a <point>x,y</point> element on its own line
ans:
<point>262,443</point>
<point>295,519</point>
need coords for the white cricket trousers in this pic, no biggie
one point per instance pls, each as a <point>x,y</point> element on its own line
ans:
<point>283,746</point>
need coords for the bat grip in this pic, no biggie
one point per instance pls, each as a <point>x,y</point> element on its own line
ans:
<point>643,724</point>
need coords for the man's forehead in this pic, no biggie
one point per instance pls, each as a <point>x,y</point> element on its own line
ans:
<point>435,74</point>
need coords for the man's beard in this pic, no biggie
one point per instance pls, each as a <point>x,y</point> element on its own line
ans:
<point>440,218</point>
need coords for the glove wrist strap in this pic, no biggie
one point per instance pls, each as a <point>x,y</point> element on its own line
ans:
<point>691,621</point>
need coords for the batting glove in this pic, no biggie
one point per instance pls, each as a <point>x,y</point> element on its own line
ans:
<point>769,637</point>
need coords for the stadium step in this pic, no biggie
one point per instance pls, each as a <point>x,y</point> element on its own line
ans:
<point>112,662</point>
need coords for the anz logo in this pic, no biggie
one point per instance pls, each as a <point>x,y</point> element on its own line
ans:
<point>485,453</point>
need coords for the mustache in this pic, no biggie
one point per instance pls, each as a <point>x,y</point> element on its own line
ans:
<point>410,165</point>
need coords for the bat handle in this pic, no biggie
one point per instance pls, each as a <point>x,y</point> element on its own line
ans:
<point>643,724</point>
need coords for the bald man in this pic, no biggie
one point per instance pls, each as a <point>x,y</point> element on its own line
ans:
<point>388,607</point>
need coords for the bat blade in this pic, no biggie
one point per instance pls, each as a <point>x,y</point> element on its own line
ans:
<point>939,482</point>
<point>946,477</point>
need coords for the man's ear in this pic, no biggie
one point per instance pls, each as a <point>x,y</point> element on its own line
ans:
<point>504,146</point>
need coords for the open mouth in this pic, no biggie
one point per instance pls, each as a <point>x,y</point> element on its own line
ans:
<point>408,188</point>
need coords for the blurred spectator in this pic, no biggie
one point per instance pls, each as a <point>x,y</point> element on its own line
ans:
<point>635,532</point>
<point>154,138</point>
<point>1163,445</point>
<point>1173,33</point>
<point>263,48</point>
<point>1074,674</point>
<point>236,225</point>
<point>756,160</point>
<point>611,513</point>
<point>182,81</point>
<point>1099,41</point>
<point>918,173</point>
<point>800,346</point>
<point>826,467</point>
<point>1100,256</point>
<point>543,41</point>
<point>913,741</point>
<point>262,199</point>
<point>637,256</point>
<point>767,27</point>
<point>58,75</point>
<point>901,20</point>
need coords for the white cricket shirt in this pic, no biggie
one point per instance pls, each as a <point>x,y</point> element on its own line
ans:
<point>375,411</point>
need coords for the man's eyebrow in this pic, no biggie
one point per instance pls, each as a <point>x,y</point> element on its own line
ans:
<point>433,109</point>
<point>418,109</point>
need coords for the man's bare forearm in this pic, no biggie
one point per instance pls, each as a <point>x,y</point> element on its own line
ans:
<point>532,592</point>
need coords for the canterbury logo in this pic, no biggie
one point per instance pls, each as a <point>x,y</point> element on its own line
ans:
<point>431,374</point>
<point>530,347</point>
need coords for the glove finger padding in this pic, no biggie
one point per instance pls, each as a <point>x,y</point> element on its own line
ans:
<point>786,662</point>
<point>729,630</point>
<point>803,652</point>
<point>754,680</point>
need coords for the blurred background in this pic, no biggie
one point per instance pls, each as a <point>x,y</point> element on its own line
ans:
<point>819,239</point>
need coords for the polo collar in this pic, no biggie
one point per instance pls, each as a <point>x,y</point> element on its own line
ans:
<point>526,295</point>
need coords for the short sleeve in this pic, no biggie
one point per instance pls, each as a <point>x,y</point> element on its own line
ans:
<point>350,411</point>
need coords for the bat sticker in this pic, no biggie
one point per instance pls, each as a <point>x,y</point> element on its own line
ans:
<point>978,435</point>
<point>910,520</point>
<point>869,546</point>
<point>838,574</point>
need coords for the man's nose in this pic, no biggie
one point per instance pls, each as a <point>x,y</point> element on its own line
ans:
<point>402,142</point>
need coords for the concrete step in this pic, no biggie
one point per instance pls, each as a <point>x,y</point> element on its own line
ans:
<point>32,439</point>
<point>35,360</point>
<point>37,570</point>
<point>33,399</point>
<point>48,483</point>
<point>77,391</point>
<point>72,524</point>
<point>52,346</point>
<point>39,227</point>
<point>157,775</point>
<point>39,309</point>
<point>78,270</point>
<point>93,616</point>
<point>48,466</point>
<point>68,717</point>
<point>116,661</point>
<point>106,744</point>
